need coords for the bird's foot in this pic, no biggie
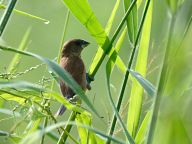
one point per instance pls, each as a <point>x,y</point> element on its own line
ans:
<point>89,78</point>
<point>75,100</point>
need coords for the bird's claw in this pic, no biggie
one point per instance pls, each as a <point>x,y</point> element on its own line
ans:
<point>89,78</point>
<point>75,100</point>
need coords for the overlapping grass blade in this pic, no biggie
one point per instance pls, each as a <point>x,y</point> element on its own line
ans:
<point>20,85</point>
<point>65,102</point>
<point>100,52</point>
<point>109,68</point>
<point>114,55</point>
<point>131,21</point>
<point>174,5</point>
<point>85,135</point>
<point>120,98</point>
<point>144,83</point>
<point>141,134</point>
<point>9,112</point>
<point>136,97</point>
<point>37,135</point>
<point>162,82</point>
<point>16,59</point>
<point>6,15</point>
<point>27,14</point>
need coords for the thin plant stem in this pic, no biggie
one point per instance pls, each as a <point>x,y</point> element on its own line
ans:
<point>55,121</point>
<point>44,126</point>
<point>120,98</point>
<point>63,36</point>
<point>68,127</point>
<point>51,135</point>
<point>187,28</point>
<point>6,15</point>
<point>62,41</point>
<point>162,81</point>
<point>129,138</point>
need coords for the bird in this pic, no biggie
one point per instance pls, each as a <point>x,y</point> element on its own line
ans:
<point>72,62</point>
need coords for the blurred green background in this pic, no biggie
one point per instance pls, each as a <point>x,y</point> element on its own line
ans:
<point>45,39</point>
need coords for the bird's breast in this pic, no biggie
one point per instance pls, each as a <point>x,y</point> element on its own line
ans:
<point>75,66</point>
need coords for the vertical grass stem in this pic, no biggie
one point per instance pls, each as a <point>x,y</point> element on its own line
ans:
<point>6,15</point>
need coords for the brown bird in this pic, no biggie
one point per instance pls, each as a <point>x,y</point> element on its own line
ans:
<point>71,61</point>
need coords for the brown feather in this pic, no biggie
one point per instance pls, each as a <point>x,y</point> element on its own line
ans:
<point>71,61</point>
<point>75,66</point>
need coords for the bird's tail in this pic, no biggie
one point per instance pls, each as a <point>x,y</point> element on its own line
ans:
<point>61,110</point>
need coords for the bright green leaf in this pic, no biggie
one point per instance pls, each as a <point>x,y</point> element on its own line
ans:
<point>139,83</point>
<point>141,135</point>
<point>27,14</point>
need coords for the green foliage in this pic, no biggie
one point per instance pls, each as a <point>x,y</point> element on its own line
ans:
<point>16,59</point>
<point>174,4</point>
<point>27,14</point>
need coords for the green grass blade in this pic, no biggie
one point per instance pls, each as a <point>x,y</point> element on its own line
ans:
<point>51,135</point>
<point>12,97</point>
<point>120,98</point>
<point>161,84</point>
<point>27,14</point>
<point>109,68</point>
<point>143,83</point>
<point>174,5</point>
<point>112,17</point>
<point>20,85</point>
<point>14,138</point>
<point>141,134</point>
<point>38,134</point>
<point>85,135</point>
<point>9,112</point>
<point>136,96</point>
<point>65,102</point>
<point>65,133</point>
<point>139,4</point>
<point>6,15</point>
<point>100,52</point>
<point>83,12</point>
<point>130,139</point>
<point>131,21</point>
<point>175,78</point>
<point>60,72</point>
<point>3,133</point>
<point>63,36</point>
<point>113,57</point>
<point>16,59</point>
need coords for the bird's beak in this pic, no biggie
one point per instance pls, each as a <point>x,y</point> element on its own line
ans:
<point>85,44</point>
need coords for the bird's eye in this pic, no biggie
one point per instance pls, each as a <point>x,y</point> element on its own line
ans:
<point>81,43</point>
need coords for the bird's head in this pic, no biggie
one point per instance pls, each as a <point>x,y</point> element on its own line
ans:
<point>74,47</point>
